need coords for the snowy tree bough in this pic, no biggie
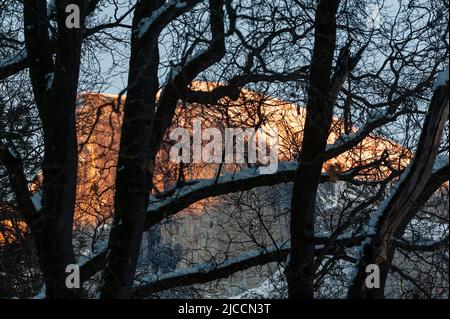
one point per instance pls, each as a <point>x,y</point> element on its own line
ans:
<point>391,214</point>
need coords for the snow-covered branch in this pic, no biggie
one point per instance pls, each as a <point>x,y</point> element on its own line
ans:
<point>440,162</point>
<point>164,14</point>
<point>195,191</point>
<point>175,200</point>
<point>206,272</point>
<point>396,209</point>
<point>346,142</point>
<point>380,117</point>
<point>431,246</point>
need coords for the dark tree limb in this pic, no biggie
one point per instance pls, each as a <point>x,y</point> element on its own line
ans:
<point>169,204</point>
<point>142,131</point>
<point>19,183</point>
<point>437,179</point>
<point>133,179</point>
<point>210,271</point>
<point>14,65</point>
<point>300,269</point>
<point>55,86</point>
<point>413,186</point>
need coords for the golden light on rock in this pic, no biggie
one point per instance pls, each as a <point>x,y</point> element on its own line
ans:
<point>99,119</point>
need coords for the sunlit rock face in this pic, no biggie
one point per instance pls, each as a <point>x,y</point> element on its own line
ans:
<point>220,227</point>
<point>99,118</point>
<point>215,228</point>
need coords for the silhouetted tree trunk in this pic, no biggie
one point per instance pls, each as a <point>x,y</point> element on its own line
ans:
<point>134,176</point>
<point>434,183</point>
<point>143,130</point>
<point>55,90</point>
<point>300,268</point>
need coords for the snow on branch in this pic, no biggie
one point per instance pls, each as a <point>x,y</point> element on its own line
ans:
<point>161,207</point>
<point>388,219</point>
<point>246,174</point>
<point>171,8</point>
<point>36,200</point>
<point>380,117</point>
<point>424,245</point>
<point>441,79</point>
<point>347,141</point>
<point>206,272</point>
<point>209,271</point>
<point>174,200</point>
<point>440,162</point>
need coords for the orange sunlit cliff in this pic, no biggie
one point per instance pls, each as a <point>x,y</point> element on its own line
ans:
<point>99,126</point>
